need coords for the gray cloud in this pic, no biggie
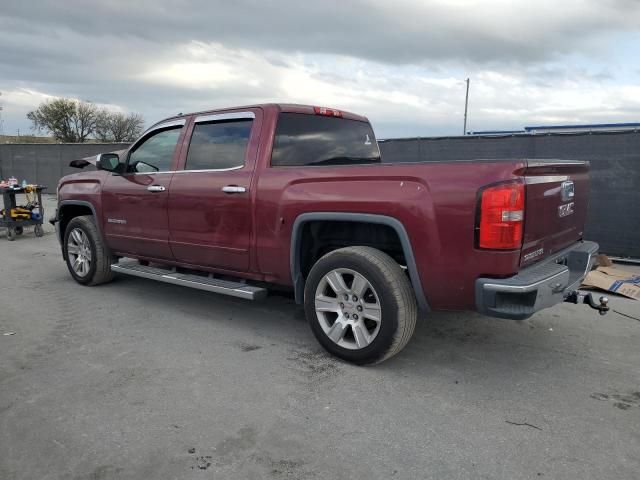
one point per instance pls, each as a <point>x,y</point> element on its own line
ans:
<point>391,32</point>
<point>400,62</point>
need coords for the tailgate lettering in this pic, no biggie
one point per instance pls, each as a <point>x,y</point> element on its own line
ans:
<point>534,254</point>
<point>566,209</point>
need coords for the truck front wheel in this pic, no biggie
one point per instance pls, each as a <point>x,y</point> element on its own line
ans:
<point>360,305</point>
<point>87,257</point>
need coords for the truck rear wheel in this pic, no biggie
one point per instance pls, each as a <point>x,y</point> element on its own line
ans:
<point>87,257</point>
<point>360,305</point>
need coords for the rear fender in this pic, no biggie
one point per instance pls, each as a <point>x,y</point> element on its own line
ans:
<point>295,253</point>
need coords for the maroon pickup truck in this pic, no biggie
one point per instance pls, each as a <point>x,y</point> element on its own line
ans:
<point>233,200</point>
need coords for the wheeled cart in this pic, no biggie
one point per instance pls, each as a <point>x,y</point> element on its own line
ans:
<point>15,224</point>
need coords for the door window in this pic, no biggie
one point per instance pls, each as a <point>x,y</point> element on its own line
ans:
<point>155,154</point>
<point>218,145</point>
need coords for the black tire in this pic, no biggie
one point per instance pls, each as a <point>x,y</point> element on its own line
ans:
<point>100,266</point>
<point>395,294</point>
<point>38,230</point>
<point>19,230</point>
<point>11,234</point>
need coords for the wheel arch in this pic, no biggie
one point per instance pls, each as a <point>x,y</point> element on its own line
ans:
<point>68,210</point>
<point>397,226</point>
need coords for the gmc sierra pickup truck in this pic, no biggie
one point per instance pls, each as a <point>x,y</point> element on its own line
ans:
<point>232,201</point>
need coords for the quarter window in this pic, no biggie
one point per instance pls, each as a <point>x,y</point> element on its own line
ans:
<point>218,145</point>
<point>155,154</point>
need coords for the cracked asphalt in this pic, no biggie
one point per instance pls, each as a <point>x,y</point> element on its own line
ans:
<point>141,380</point>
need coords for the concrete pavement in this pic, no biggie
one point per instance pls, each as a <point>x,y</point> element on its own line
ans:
<point>141,380</point>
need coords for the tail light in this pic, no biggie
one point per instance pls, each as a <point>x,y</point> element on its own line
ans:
<point>501,216</point>
<point>329,112</point>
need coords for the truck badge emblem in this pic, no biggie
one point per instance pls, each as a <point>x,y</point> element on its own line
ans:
<point>565,209</point>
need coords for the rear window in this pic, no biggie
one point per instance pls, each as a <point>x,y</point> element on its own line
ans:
<point>303,139</point>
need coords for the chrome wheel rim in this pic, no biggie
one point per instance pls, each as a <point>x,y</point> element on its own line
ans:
<point>348,309</point>
<point>79,252</point>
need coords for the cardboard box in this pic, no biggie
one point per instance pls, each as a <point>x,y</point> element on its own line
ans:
<point>614,279</point>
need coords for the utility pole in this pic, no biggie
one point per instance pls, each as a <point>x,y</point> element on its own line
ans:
<point>1,122</point>
<point>466,106</point>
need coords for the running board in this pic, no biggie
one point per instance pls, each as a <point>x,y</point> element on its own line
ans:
<point>210,284</point>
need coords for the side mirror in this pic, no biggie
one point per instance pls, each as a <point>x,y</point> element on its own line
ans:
<point>109,162</point>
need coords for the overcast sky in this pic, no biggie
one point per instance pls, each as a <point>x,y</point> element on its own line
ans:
<point>402,63</point>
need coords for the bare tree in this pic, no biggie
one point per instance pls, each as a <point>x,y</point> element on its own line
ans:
<point>85,120</point>
<point>118,127</point>
<point>68,120</point>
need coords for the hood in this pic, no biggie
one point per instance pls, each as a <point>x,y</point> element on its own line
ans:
<point>83,162</point>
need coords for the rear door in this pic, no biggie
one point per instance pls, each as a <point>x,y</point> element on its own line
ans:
<point>135,203</point>
<point>210,199</point>
<point>557,198</point>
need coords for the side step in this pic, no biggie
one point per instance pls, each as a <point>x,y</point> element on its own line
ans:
<point>226,287</point>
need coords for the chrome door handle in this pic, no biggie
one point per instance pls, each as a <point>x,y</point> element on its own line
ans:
<point>156,188</point>
<point>233,189</point>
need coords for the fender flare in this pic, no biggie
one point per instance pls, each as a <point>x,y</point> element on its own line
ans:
<point>395,224</point>
<point>82,203</point>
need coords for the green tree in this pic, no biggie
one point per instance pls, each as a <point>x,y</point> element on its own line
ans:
<point>68,120</point>
<point>118,127</point>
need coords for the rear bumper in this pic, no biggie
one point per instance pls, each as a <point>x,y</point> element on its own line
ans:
<point>536,287</point>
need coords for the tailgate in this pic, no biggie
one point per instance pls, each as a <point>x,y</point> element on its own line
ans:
<point>557,196</point>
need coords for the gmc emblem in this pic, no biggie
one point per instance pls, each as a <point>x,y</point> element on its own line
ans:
<point>566,209</point>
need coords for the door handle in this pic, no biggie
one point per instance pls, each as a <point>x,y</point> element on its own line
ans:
<point>156,188</point>
<point>233,189</point>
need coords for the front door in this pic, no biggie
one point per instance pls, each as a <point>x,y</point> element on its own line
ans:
<point>135,203</point>
<point>210,198</point>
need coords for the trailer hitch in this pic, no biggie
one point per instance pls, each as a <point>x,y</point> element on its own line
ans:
<point>578,297</point>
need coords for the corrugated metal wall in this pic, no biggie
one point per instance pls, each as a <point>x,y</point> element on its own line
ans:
<point>614,209</point>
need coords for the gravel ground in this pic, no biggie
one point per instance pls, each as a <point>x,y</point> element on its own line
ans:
<point>142,380</point>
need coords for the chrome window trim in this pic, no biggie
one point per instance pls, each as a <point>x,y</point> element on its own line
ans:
<point>211,170</point>
<point>164,172</point>
<point>188,171</point>
<point>225,116</point>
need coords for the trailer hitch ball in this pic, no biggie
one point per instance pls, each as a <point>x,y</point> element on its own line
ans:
<point>604,305</point>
